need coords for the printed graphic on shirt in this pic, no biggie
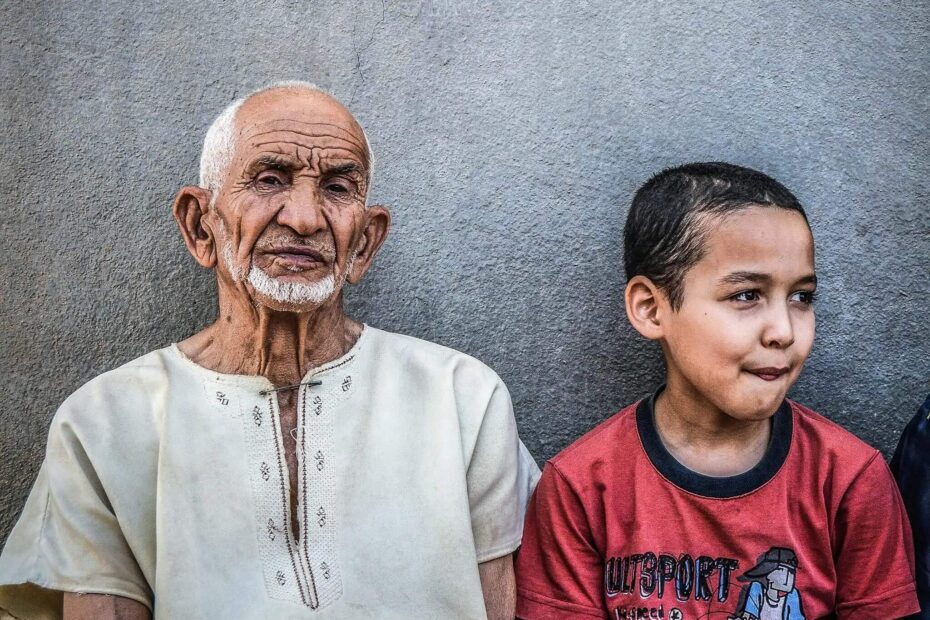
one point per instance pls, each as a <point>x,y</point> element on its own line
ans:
<point>770,593</point>
<point>651,585</point>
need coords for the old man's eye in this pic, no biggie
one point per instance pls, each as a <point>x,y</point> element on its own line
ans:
<point>338,188</point>
<point>270,178</point>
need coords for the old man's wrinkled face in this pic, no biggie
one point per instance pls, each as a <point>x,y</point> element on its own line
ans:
<point>291,212</point>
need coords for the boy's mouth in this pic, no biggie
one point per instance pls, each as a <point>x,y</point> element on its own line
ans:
<point>768,373</point>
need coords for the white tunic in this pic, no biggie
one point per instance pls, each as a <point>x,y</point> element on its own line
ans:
<point>166,483</point>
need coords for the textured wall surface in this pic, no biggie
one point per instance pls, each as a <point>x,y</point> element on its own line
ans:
<point>509,138</point>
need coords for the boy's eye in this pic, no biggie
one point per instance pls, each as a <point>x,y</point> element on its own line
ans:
<point>805,297</point>
<point>746,296</point>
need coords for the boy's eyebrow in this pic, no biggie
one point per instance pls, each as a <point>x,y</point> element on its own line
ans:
<point>742,277</point>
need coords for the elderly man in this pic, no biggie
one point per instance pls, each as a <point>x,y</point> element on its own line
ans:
<point>287,461</point>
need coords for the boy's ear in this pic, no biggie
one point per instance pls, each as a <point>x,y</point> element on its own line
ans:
<point>644,303</point>
<point>190,206</point>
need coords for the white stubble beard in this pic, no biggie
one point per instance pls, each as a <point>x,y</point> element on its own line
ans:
<point>291,293</point>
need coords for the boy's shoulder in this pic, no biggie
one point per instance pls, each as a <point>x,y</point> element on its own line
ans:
<point>817,443</point>
<point>819,439</point>
<point>831,458</point>
<point>615,435</point>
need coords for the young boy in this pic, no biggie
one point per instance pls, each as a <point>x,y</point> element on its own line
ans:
<point>715,497</point>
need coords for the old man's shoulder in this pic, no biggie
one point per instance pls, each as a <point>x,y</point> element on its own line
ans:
<point>417,360</point>
<point>128,390</point>
<point>136,392</point>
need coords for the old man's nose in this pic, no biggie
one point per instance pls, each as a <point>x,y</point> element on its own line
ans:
<point>302,211</point>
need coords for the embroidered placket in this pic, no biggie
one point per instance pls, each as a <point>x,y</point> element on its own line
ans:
<point>317,492</point>
<point>303,571</point>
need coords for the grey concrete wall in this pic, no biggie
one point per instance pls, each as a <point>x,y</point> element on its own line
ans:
<point>509,138</point>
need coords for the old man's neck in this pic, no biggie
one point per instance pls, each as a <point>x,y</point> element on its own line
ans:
<point>251,339</point>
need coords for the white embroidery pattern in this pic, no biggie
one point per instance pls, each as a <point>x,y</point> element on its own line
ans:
<point>318,493</point>
<point>302,571</point>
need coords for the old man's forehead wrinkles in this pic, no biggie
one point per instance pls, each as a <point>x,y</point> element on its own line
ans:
<point>314,155</point>
<point>291,146</point>
<point>263,138</point>
<point>302,149</point>
<point>310,130</point>
<point>332,160</point>
<point>289,123</point>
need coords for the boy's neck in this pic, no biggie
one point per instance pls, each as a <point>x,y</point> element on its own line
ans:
<point>705,439</point>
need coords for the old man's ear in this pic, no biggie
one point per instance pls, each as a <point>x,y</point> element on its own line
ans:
<point>190,206</point>
<point>377,223</point>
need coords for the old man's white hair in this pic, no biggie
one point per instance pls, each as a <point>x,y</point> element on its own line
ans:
<point>220,141</point>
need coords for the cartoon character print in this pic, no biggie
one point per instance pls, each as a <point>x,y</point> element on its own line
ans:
<point>769,593</point>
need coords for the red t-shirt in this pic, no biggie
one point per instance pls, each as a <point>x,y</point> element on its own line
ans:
<point>617,528</point>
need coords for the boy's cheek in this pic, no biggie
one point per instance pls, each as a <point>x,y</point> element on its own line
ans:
<point>804,340</point>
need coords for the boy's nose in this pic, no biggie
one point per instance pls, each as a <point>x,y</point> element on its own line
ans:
<point>779,330</point>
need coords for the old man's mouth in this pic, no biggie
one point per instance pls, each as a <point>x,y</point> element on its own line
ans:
<point>295,257</point>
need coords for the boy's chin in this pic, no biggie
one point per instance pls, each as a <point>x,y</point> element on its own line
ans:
<point>751,405</point>
<point>755,415</point>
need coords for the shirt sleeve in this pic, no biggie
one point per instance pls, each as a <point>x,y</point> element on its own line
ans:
<point>874,550</point>
<point>559,569</point>
<point>68,537</point>
<point>501,475</point>
<point>911,468</point>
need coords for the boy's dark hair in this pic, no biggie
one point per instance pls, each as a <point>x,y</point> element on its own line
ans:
<point>666,228</point>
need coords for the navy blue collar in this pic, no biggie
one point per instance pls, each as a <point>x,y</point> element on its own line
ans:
<point>710,486</point>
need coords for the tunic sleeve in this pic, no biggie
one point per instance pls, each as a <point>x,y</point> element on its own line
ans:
<point>501,476</point>
<point>68,537</point>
